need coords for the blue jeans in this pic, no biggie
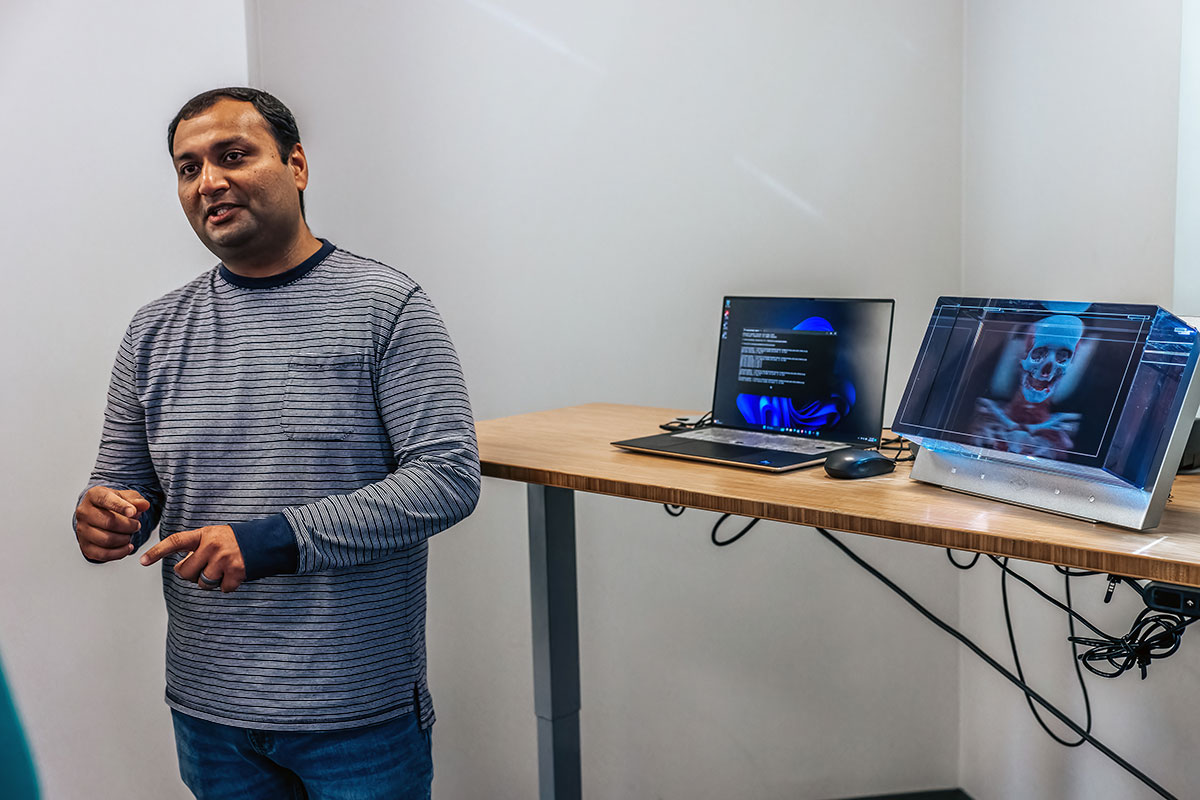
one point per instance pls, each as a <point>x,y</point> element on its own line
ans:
<point>220,762</point>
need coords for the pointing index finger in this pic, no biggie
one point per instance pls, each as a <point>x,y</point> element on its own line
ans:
<point>176,542</point>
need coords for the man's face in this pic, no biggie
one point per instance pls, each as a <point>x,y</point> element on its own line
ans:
<point>239,195</point>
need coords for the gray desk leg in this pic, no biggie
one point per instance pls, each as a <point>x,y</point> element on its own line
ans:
<point>555,640</point>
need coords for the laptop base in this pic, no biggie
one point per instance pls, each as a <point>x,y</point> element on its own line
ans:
<point>720,453</point>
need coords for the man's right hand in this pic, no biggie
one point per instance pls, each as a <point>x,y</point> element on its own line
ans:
<point>105,520</point>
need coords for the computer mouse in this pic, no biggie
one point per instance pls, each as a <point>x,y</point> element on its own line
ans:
<point>854,463</point>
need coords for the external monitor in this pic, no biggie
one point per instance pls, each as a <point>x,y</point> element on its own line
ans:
<point>1078,408</point>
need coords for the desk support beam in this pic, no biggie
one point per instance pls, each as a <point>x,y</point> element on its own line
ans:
<point>555,640</point>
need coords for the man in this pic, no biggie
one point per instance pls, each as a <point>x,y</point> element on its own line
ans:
<point>296,424</point>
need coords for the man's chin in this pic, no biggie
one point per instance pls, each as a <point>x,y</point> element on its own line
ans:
<point>227,239</point>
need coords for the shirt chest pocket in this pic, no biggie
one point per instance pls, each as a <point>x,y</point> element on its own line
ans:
<point>328,397</point>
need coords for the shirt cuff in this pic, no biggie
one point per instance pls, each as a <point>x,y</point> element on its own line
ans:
<point>268,546</point>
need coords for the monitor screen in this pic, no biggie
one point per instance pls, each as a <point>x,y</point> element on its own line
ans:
<point>1090,384</point>
<point>810,367</point>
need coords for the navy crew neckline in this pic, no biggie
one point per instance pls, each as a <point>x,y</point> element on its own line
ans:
<point>295,273</point>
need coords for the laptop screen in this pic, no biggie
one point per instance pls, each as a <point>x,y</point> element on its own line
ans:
<point>1094,384</point>
<point>815,368</point>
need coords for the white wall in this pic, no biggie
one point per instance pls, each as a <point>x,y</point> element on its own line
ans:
<point>1069,131</point>
<point>92,229</point>
<point>1186,297</point>
<point>577,185</point>
<point>1071,118</point>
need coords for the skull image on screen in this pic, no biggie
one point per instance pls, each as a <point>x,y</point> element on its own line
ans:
<point>1052,346</point>
<point>1044,364</point>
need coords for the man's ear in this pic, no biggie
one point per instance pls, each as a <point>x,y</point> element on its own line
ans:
<point>299,165</point>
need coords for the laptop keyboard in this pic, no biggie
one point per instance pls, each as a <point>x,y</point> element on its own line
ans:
<point>765,441</point>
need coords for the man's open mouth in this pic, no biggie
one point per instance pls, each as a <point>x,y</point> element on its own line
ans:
<point>220,212</point>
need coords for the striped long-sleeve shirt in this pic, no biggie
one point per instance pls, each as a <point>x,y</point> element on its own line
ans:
<point>322,414</point>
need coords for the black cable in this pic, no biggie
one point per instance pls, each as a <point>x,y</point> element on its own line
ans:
<point>1077,573</point>
<point>901,445</point>
<point>974,648</point>
<point>736,536</point>
<point>1002,564</point>
<point>676,511</point>
<point>974,560</point>
<point>1012,641</point>
<point>1154,635</point>
<point>680,425</point>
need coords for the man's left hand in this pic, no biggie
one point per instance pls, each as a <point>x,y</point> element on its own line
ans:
<point>214,559</point>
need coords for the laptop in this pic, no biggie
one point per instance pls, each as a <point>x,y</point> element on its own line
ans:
<point>797,380</point>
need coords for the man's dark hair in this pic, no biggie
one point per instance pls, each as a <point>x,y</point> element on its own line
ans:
<point>278,117</point>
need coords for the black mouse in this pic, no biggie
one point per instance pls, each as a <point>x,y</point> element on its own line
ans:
<point>854,463</point>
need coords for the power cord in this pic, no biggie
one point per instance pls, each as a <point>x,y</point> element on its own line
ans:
<point>1153,636</point>
<point>1067,574</point>
<point>687,423</point>
<point>736,536</point>
<point>1018,682</point>
<point>676,511</point>
<point>1002,563</point>
<point>1012,641</point>
<point>902,446</point>
<point>974,560</point>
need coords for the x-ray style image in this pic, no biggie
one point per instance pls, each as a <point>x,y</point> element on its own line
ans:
<point>1028,409</point>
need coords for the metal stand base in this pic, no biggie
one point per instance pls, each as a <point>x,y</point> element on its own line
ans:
<point>1099,499</point>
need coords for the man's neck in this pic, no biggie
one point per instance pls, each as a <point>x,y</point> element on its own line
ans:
<point>277,261</point>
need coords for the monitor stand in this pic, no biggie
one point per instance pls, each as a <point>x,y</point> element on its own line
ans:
<point>1069,495</point>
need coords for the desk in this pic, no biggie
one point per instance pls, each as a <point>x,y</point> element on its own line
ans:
<point>561,451</point>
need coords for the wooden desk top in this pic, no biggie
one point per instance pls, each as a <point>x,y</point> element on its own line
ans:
<point>570,448</point>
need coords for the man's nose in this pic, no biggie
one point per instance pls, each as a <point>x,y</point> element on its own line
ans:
<point>212,179</point>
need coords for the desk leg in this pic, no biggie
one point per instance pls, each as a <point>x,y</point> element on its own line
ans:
<point>555,640</point>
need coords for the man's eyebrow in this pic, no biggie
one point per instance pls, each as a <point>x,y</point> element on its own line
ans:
<point>219,145</point>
